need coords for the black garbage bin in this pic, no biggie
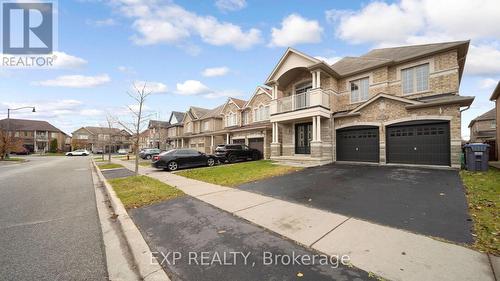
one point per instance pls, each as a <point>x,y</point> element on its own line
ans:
<point>476,156</point>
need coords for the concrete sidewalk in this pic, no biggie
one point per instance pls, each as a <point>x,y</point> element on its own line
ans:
<point>391,253</point>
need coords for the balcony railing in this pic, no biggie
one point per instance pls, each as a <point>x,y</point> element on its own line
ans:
<point>311,98</point>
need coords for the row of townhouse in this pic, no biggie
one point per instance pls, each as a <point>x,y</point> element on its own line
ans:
<point>101,139</point>
<point>234,122</point>
<point>36,135</point>
<point>392,105</point>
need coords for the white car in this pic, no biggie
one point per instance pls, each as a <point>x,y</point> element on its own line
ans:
<point>78,152</point>
<point>122,151</point>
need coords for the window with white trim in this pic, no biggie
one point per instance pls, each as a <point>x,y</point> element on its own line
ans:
<point>206,125</point>
<point>493,124</point>
<point>231,119</point>
<point>359,90</point>
<point>415,79</point>
<point>261,113</point>
<point>244,118</point>
<point>189,127</point>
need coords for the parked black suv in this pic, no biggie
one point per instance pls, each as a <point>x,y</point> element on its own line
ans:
<point>234,152</point>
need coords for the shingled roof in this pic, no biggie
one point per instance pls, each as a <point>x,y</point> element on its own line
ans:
<point>489,115</point>
<point>28,125</point>
<point>213,113</point>
<point>158,124</point>
<point>386,56</point>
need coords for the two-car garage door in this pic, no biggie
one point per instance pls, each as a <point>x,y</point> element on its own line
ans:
<point>417,142</point>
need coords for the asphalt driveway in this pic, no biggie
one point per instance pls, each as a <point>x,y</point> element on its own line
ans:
<point>190,230</point>
<point>426,201</point>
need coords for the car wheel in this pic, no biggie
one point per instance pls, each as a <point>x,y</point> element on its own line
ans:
<point>85,154</point>
<point>231,158</point>
<point>70,154</point>
<point>148,157</point>
<point>210,162</point>
<point>255,156</point>
<point>172,166</point>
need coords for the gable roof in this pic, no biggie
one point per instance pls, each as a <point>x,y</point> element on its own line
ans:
<point>394,55</point>
<point>258,90</point>
<point>496,92</point>
<point>283,58</point>
<point>197,112</point>
<point>158,124</point>
<point>383,95</point>
<point>213,113</point>
<point>102,130</point>
<point>179,116</point>
<point>28,125</point>
<point>489,115</point>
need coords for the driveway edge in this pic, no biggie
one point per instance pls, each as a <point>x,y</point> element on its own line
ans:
<point>148,268</point>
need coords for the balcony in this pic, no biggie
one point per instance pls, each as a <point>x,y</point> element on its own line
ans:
<point>311,103</point>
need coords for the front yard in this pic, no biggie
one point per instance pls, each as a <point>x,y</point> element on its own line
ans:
<point>483,194</point>
<point>236,174</point>
<point>109,166</point>
<point>138,191</point>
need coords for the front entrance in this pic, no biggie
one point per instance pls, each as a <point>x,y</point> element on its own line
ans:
<point>303,136</point>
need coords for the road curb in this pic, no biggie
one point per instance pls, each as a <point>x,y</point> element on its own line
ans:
<point>149,269</point>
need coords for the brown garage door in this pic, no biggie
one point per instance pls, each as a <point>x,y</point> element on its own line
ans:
<point>257,143</point>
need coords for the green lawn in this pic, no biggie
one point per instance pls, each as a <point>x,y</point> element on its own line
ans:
<point>145,163</point>
<point>138,191</point>
<point>239,173</point>
<point>109,166</point>
<point>14,159</point>
<point>483,194</point>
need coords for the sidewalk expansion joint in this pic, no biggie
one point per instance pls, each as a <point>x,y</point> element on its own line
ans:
<point>209,193</point>
<point>256,205</point>
<point>324,235</point>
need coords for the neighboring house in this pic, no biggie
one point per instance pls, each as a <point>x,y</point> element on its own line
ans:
<point>101,138</point>
<point>483,127</point>
<point>392,105</point>
<point>496,98</point>
<point>157,134</point>
<point>36,135</point>
<point>202,129</point>
<point>144,139</point>
<point>175,130</point>
<point>247,122</point>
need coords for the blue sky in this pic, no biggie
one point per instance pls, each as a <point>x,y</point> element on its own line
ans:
<point>199,52</point>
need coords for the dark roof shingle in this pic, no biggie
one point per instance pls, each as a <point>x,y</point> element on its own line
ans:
<point>28,125</point>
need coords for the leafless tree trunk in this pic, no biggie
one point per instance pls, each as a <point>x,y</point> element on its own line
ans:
<point>110,122</point>
<point>139,96</point>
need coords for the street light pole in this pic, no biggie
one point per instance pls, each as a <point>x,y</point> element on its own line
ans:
<point>8,123</point>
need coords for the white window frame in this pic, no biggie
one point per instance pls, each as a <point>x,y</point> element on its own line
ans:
<point>493,124</point>
<point>417,85</point>
<point>231,119</point>
<point>357,95</point>
<point>206,126</point>
<point>189,127</point>
<point>244,118</point>
<point>261,113</point>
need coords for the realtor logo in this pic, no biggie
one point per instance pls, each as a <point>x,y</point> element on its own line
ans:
<point>27,28</point>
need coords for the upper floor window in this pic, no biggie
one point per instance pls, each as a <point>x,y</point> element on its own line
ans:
<point>231,119</point>
<point>83,137</point>
<point>244,117</point>
<point>493,124</point>
<point>359,90</point>
<point>303,87</point>
<point>206,126</point>
<point>53,135</point>
<point>189,127</point>
<point>415,79</point>
<point>261,113</point>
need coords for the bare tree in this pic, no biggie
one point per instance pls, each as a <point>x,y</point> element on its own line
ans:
<point>8,143</point>
<point>110,121</point>
<point>139,119</point>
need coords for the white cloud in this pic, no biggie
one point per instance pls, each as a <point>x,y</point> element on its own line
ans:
<point>483,60</point>
<point>161,22</point>
<point>296,30</point>
<point>101,22</point>
<point>225,94</point>
<point>153,87</point>
<point>191,88</point>
<point>329,60</point>
<point>126,69</point>
<point>426,21</point>
<point>76,81</point>
<point>215,71</point>
<point>488,83</point>
<point>64,60</point>
<point>230,5</point>
<point>91,112</point>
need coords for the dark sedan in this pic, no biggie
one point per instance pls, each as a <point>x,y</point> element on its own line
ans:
<point>148,153</point>
<point>182,158</point>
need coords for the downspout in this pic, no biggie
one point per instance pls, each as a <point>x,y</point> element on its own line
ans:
<point>462,110</point>
<point>334,141</point>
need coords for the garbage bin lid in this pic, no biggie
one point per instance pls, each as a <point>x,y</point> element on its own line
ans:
<point>477,146</point>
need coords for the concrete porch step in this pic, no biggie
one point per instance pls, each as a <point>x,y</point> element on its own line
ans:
<point>301,161</point>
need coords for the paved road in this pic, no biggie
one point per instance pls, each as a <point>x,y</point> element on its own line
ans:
<point>49,227</point>
<point>209,244</point>
<point>427,201</point>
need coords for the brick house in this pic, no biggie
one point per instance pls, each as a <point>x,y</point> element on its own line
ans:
<point>102,138</point>
<point>36,135</point>
<point>202,129</point>
<point>247,122</point>
<point>495,97</point>
<point>175,130</point>
<point>157,134</point>
<point>393,105</point>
